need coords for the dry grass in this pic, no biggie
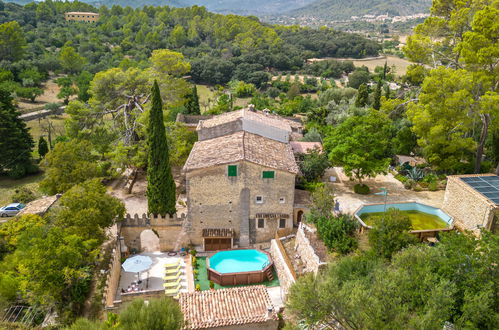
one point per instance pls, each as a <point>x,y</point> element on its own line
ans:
<point>50,91</point>
<point>400,64</point>
<point>39,127</point>
<point>8,186</point>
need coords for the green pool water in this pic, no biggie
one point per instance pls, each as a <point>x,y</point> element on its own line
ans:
<point>420,220</point>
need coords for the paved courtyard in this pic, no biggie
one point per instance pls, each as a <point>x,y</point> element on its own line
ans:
<point>350,201</point>
<point>152,280</point>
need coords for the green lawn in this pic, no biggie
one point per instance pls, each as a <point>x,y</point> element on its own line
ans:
<point>8,186</point>
<point>205,96</point>
<point>202,279</point>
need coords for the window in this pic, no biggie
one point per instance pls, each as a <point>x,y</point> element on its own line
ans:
<point>259,199</point>
<point>282,200</point>
<point>268,174</point>
<point>261,223</point>
<point>282,223</point>
<point>232,170</point>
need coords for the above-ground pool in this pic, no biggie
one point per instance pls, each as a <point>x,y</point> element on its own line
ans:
<point>426,220</point>
<point>240,266</point>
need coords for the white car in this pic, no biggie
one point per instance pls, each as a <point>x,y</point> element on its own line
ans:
<point>11,209</point>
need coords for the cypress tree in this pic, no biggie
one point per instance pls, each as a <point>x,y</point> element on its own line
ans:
<point>16,143</point>
<point>43,147</point>
<point>377,96</point>
<point>362,96</point>
<point>160,185</point>
<point>192,102</point>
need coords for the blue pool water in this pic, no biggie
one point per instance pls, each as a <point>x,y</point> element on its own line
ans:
<point>235,261</point>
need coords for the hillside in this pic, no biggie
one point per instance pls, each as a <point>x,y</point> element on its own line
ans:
<point>255,7</point>
<point>345,9</point>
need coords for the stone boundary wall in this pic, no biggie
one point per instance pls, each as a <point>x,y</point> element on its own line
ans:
<point>41,114</point>
<point>167,228</point>
<point>286,278</point>
<point>306,251</point>
<point>113,277</point>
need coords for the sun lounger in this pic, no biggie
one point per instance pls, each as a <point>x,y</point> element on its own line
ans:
<point>172,284</point>
<point>173,270</point>
<point>173,264</point>
<point>173,292</point>
<point>172,277</point>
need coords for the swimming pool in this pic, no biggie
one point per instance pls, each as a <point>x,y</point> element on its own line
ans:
<point>239,266</point>
<point>426,220</point>
<point>234,261</point>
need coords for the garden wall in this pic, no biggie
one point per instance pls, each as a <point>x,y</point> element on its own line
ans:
<point>304,248</point>
<point>286,274</point>
<point>113,277</point>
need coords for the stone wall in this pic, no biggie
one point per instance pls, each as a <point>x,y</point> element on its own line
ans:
<point>167,228</point>
<point>307,254</point>
<point>268,325</point>
<point>216,200</point>
<point>220,130</point>
<point>286,277</point>
<point>41,114</point>
<point>470,209</point>
<point>113,277</point>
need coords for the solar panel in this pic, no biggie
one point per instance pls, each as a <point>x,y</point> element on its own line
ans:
<point>488,186</point>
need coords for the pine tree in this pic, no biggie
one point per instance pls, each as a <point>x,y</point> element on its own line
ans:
<point>385,71</point>
<point>362,96</point>
<point>377,96</point>
<point>160,185</point>
<point>16,143</point>
<point>43,147</point>
<point>192,102</point>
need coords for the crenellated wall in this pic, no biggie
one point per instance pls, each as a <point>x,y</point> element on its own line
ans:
<point>168,229</point>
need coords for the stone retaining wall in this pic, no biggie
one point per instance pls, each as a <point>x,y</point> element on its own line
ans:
<point>113,277</point>
<point>41,114</point>
<point>286,278</point>
<point>307,254</point>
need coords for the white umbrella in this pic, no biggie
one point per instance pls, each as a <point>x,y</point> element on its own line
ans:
<point>137,264</point>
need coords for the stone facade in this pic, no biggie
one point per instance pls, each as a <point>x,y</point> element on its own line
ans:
<point>470,209</point>
<point>286,277</point>
<point>216,200</point>
<point>306,252</point>
<point>81,16</point>
<point>167,228</point>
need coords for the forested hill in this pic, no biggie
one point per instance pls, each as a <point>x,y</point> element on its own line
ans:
<point>219,47</point>
<point>344,9</point>
<point>240,7</point>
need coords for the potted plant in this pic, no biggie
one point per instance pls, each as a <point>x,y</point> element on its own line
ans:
<point>198,287</point>
<point>212,285</point>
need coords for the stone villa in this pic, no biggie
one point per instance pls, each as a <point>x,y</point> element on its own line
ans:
<point>81,16</point>
<point>240,179</point>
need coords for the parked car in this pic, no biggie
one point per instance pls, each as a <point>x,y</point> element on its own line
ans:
<point>11,209</point>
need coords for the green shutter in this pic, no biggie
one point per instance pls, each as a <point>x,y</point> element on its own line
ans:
<point>232,170</point>
<point>268,174</point>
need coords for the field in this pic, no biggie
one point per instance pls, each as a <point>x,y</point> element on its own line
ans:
<point>8,186</point>
<point>39,127</point>
<point>400,64</point>
<point>50,91</point>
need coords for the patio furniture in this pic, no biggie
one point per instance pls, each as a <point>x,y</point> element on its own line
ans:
<point>172,277</point>
<point>173,264</point>
<point>173,291</point>
<point>173,270</point>
<point>172,284</point>
<point>137,264</point>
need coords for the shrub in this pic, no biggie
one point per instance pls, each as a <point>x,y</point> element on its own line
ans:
<point>390,233</point>
<point>23,195</point>
<point>198,287</point>
<point>415,174</point>
<point>193,252</point>
<point>212,285</point>
<point>194,262</point>
<point>433,186</point>
<point>361,189</point>
<point>401,178</point>
<point>338,234</point>
<point>418,188</point>
<point>409,184</point>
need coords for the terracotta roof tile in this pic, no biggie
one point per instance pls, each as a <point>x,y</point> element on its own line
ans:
<point>258,116</point>
<point>241,146</point>
<point>225,307</point>
<point>301,147</point>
